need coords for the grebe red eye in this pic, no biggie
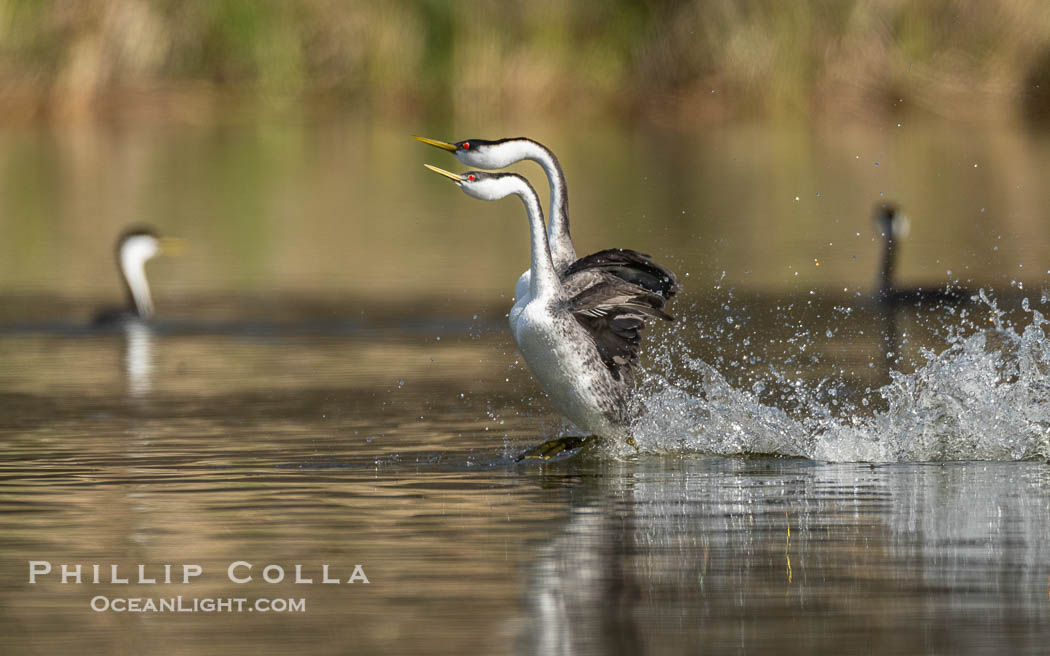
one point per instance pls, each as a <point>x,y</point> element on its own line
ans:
<point>471,177</point>
<point>466,145</point>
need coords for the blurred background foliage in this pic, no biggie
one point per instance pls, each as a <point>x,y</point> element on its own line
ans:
<point>679,63</point>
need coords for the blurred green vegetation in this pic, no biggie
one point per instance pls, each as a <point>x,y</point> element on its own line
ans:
<point>677,62</point>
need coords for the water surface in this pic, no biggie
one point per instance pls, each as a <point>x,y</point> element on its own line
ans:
<point>330,380</point>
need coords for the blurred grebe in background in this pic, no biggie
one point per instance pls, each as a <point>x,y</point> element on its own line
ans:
<point>135,247</point>
<point>894,226</point>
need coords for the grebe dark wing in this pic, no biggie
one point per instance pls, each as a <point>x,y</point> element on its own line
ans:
<point>613,312</point>
<point>632,267</point>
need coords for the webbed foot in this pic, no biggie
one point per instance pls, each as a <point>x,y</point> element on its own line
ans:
<point>565,447</point>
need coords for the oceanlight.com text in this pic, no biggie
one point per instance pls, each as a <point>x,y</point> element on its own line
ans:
<point>180,604</point>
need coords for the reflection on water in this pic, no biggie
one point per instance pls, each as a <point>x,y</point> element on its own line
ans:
<point>330,380</point>
<point>138,358</point>
<point>790,557</point>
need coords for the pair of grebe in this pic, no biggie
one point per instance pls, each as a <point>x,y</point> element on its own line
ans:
<point>577,322</point>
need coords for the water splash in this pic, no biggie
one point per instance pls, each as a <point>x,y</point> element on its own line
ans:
<point>985,397</point>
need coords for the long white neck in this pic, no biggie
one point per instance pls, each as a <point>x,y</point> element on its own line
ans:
<point>512,151</point>
<point>562,252</point>
<point>544,282</point>
<point>133,268</point>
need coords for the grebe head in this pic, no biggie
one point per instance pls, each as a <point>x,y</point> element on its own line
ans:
<point>484,154</point>
<point>137,246</point>
<point>134,248</point>
<point>484,186</point>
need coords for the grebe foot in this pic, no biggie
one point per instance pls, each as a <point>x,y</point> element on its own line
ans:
<point>562,446</point>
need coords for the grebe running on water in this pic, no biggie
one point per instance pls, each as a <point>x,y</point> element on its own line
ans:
<point>579,333</point>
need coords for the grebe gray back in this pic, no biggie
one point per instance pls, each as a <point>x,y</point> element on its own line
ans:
<point>579,335</point>
<point>631,266</point>
<point>893,226</point>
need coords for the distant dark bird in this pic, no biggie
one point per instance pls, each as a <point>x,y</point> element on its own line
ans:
<point>135,247</point>
<point>579,332</point>
<point>893,226</point>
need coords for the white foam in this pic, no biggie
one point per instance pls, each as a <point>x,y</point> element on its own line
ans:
<point>986,397</point>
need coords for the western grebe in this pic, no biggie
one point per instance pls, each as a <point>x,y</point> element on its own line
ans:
<point>135,247</point>
<point>579,334</point>
<point>631,266</point>
<point>893,226</point>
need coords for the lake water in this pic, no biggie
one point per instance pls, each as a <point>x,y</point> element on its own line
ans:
<point>330,381</point>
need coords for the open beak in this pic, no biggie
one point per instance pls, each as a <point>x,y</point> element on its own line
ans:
<point>455,177</point>
<point>173,246</point>
<point>443,145</point>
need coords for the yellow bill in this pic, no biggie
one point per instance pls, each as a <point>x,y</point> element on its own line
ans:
<point>173,246</point>
<point>448,174</point>
<point>443,145</point>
